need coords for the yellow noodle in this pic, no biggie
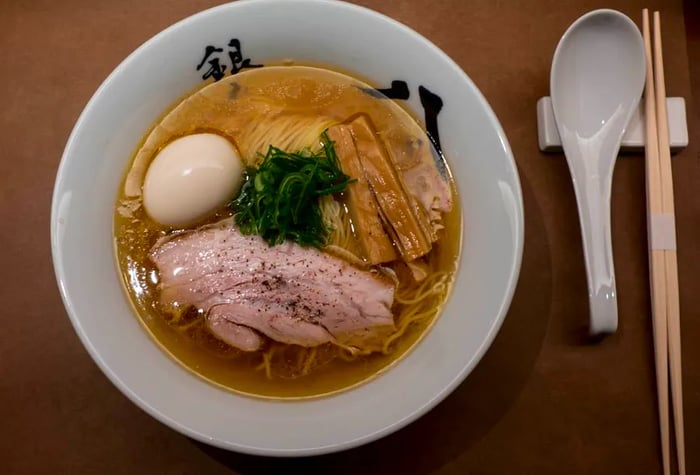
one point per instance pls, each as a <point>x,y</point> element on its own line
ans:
<point>430,286</point>
<point>404,323</point>
<point>284,131</point>
<point>347,355</point>
<point>308,361</point>
<point>177,322</point>
<point>300,358</point>
<point>343,253</point>
<point>267,359</point>
<point>187,326</point>
<point>423,306</point>
<point>351,350</point>
<point>338,222</point>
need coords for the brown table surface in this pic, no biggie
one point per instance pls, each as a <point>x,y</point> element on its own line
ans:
<point>542,401</point>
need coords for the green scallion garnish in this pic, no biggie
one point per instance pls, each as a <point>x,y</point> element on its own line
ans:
<point>280,199</point>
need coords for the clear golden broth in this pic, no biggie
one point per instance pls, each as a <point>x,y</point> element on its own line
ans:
<point>310,91</point>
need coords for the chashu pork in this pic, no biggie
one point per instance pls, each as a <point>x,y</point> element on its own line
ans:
<point>288,293</point>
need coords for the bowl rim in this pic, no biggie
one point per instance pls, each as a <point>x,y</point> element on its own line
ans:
<point>518,237</point>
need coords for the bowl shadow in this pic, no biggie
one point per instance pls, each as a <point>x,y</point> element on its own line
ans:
<point>471,411</point>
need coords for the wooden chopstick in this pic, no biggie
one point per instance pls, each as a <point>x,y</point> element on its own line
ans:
<point>663,264</point>
<point>657,274</point>
<point>671,262</point>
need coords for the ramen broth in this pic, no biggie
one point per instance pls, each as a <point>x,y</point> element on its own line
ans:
<point>241,108</point>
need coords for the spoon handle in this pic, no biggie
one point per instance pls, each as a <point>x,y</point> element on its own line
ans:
<point>593,191</point>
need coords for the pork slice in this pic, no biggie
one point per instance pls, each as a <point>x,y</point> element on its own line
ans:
<point>238,336</point>
<point>280,325</point>
<point>288,293</point>
<point>424,175</point>
<point>304,315</point>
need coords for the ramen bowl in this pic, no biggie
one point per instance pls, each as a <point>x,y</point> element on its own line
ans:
<point>222,41</point>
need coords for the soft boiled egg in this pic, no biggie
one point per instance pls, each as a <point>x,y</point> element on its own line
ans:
<point>190,178</point>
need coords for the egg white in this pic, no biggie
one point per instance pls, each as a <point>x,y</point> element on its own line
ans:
<point>191,178</point>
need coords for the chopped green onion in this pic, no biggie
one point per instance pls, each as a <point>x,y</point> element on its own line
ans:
<point>280,199</point>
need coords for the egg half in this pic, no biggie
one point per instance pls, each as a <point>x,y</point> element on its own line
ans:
<point>190,178</point>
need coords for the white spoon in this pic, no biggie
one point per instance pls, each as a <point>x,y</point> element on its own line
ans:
<point>598,74</point>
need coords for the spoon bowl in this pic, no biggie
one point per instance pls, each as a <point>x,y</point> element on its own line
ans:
<point>597,78</point>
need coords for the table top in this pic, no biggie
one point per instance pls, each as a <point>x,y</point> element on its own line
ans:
<point>543,400</point>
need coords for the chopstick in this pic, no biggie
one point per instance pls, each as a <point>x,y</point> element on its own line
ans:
<point>657,272</point>
<point>672,297</point>
<point>662,248</point>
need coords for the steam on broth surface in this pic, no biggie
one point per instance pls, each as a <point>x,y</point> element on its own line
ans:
<point>292,108</point>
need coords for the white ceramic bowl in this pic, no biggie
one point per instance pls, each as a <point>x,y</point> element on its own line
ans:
<point>338,35</point>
